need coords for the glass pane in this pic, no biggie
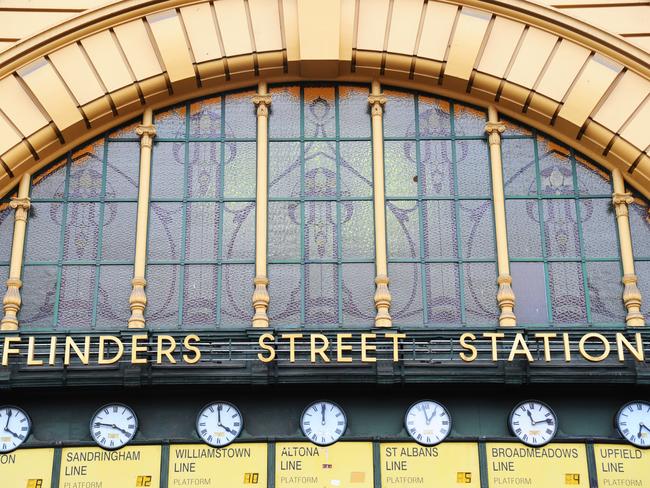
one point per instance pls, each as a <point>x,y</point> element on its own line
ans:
<point>238,231</point>
<point>529,286</point>
<point>560,228</point>
<point>435,120</point>
<point>556,173</point>
<point>39,296</point>
<point>357,230</point>
<point>202,231</point>
<point>77,294</point>
<point>402,229</point>
<point>473,168</point>
<point>519,167</point>
<point>200,296</point>
<point>118,235</point>
<point>642,269</point>
<point>321,294</point>
<point>285,174</point>
<point>436,171</point>
<point>122,170</point>
<point>6,231</point>
<point>114,291</point>
<point>354,112</point>
<point>514,129</point>
<point>319,112</point>
<point>477,229</point>
<point>168,170</point>
<point>591,181</point>
<point>443,293</point>
<point>241,117</point>
<point>480,290</point>
<point>205,119</point>
<point>81,237</point>
<point>126,131</point>
<point>522,219</point>
<point>285,291</point>
<point>640,229</point>
<point>357,291</point>
<point>204,170</point>
<point>320,169</point>
<point>165,224</point>
<point>284,119</point>
<point>86,171</point>
<point>399,114</point>
<point>321,231</point>
<point>400,163</point>
<point>240,170</point>
<point>599,230</point>
<point>44,232</point>
<point>284,230</point>
<point>355,169</point>
<point>4,274</point>
<point>170,123</point>
<point>605,293</point>
<point>567,293</point>
<point>469,121</point>
<point>439,222</point>
<point>50,183</point>
<point>162,295</point>
<point>236,282</point>
<point>406,290</point>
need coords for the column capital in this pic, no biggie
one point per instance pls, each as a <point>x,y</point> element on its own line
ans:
<point>262,101</point>
<point>621,202</point>
<point>494,131</point>
<point>146,133</point>
<point>21,206</point>
<point>377,103</point>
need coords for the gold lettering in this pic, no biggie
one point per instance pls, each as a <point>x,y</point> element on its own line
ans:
<point>546,336</point>
<point>102,347</point>
<point>70,344</point>
<point>267,347</point>
<point>464,344</point>
<point>52,359</point>
<point>341,348</point>
<point>161,350</point>
<point>365,347</point>
<point>292,345</point>
<point>31,352</point>
<point>7,350</point>
<point>519,346</point>
<point>589,357</point>
<point>321,351</point>
<point>494,336</point>
<point>136,348</point>
<point>395,337</point>
<point>637,352</point>
<point>187,343</point>
<point>567,347</point>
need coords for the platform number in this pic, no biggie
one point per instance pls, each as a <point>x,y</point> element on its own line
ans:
<point>464,478</point>
<point>571,479</point>
<point>251,478</point>
<point>143,481</point>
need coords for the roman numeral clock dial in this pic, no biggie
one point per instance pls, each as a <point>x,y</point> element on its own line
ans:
<point>323,423</point>
<point>15,427</point>
<point>633,423</point>
<point>533,423</point>
<point>219,424</point>
<point>113,426</point>
<point>427,422</point>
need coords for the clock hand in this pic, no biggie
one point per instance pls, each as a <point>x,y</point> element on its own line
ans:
<point>323,413</point>
<point>13,434</point>
<point>228,429</point>
<point>219,414</point>
<point>8,418</point>
<point>530,416</point>
<point>644,426</point>
<point>429,419</point>
<point>113,426</point>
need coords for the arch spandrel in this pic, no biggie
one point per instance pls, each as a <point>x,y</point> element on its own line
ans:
<point>582,85</point>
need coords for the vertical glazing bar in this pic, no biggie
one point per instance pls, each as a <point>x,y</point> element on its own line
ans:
<point>12,301</point>
<point>631,293</point>
<point>382,293</point>
<point>505,295</point>
<point>261,296</point>
<point>138,298</point>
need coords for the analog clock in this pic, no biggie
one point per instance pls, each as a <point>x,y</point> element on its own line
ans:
<point>428,422</point>
<point>633,423</point>
<point>113,426</point>
<point>323,422</point>
<point>533,423</point>
<point>15,427</point>
<point>219,423</point>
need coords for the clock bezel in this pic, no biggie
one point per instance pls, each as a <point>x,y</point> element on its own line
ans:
<point>345,419</point>
<point>29,427</point>
<point>555,418</point>
<point>451,422</point>
<point>118,404</point>
<point>618,428</point>
<point>209,404</point>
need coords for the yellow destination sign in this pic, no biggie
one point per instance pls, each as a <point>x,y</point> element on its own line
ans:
<point>622,465</point>
<point>342,465</point>
<point>27,468</point>
<point>238,465</point>
<point>92,467</point>
<point>448,465</point>
<point>554,465</point>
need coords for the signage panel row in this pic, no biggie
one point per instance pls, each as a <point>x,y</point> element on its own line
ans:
<point>345,464</point>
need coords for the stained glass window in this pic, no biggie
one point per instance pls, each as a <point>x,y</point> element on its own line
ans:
<point>439,216</point>
<point>202,214</point>
<point>640,229</point>
<point>6,231</point>
<point>562,234</point>
<point>321,229</point>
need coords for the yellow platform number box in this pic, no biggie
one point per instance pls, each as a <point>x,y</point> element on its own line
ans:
<point>622,465</point>
<point>448,465</point>
<point>235,466</point>
<point>342,465</point>
<point>554,465</point>
<point>129,467</point>
<point>27,468</point>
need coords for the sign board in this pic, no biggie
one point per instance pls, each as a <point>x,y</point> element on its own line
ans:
<point>238,465</point>
<point>92,467</point>
<point>556,465</point>
<point>622,465</point>
<point>27,468</point>
<point>448,465</point>
<point>343,465</point>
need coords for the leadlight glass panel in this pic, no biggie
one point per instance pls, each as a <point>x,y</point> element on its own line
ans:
<point>439,215</point>
<point>321,219</point>
<point>640,230</point>
<point>6,231</point>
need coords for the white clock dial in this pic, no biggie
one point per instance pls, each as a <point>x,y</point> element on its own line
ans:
<point>633,423</point>
<point>323,422</point>
<point>533,423</point>
<point>219,423</point>
<point>428,422</point>
<point>15,427</point>
<point>113,426</point>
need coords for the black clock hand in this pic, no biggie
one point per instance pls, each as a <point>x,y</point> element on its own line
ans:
<point>113,426</point>
<point>8,418</point>
<point>530,416</point>
<point>14,434</point>
<point>323,414</point>
<point>643,426</point>
<point>228,429</point>
<point>219,414</point>
<point>429,419</point>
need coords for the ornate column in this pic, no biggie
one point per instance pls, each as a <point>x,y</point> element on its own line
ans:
<point>12,301</point>
<point>505,295</point>
<point>261,281</point>
<point>631,293</point>
<point>382,293</point>
<point>138,298</point>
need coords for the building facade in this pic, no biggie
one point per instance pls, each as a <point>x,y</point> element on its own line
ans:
<point>342,243</point>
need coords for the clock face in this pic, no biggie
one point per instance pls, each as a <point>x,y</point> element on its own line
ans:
<point>219,423</point>
<point>15,427</point>
<point>323,422</point>
<point>428,422</point>
<point>633,423</point>
<point>113,426</point>
<point>533,422</point>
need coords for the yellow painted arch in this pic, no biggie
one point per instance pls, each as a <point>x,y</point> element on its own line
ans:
<point>582,85</point>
